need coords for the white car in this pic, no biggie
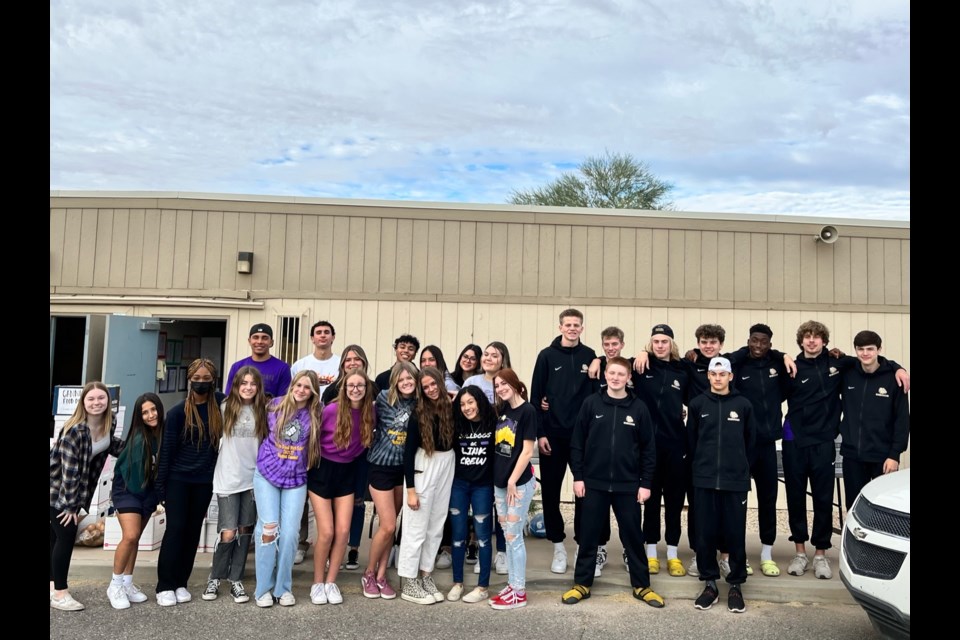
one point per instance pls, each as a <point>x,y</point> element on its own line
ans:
<point>875,553</point>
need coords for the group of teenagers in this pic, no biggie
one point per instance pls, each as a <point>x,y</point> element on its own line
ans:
<point>440,450</point>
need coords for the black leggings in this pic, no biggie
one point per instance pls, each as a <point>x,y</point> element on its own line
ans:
<point>62,539</point>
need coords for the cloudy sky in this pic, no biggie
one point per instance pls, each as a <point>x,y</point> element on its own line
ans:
<point>751,106</point>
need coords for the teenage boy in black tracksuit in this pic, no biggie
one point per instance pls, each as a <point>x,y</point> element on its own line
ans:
<point>613,456</point>
<point>664,386</point>
<point>876,417</point>
<point>559,387</point>
<point>721,438</point>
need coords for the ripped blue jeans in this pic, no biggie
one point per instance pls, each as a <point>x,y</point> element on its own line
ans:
<point>513,517</point>
<point>278,515</point>
<point>463,495</point>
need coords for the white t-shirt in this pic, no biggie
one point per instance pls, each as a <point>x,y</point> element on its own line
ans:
<point>238,456</point>
<point>484,384</point>
<point>329,367</point>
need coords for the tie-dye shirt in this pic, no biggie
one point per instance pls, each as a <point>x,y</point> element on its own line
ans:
<point>282,458</point>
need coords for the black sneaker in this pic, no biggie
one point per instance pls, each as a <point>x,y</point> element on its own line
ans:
<point>735,600</point>
<point>239,593</point>
<point>353,559</point>
<point>472,553</point>
<point>707,598</point>
<point>210,593</point>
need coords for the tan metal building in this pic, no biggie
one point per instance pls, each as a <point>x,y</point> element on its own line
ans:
<point>458,273</point>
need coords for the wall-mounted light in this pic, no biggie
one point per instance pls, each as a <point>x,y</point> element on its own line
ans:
<point>245,262</point>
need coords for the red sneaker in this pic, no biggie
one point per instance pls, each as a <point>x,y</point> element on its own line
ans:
<point>510,600</point>
<point>507,589</point>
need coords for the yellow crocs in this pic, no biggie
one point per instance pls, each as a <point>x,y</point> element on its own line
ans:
<point>769,568</point>
<point>675,567</point>
<point>653,564</point>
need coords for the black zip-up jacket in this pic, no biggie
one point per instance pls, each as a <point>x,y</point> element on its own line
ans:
<point>813,404</point>
<point>876,416</point>
<point>561,376</point>
<point>721,440</point>
<point>665,387</point>
<point>697,369</point>
<point>765,383</point>
<point>613,447</point>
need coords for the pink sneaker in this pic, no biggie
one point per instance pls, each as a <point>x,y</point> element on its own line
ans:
<point>369,583</point>
<point>510,600</point>
<point>386,591</point>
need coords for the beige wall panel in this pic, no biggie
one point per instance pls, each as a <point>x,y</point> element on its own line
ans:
<point>626,267</point>
<point>725,265</point>
<point>594,262</point>
<point>741,266</point>
<point>168,243</point>
<point>825,269</point>
<point>230,233</point>
<point>118,248</point>
<point>151,250</point>
<point>261,247</point>
<point>904,272</point>
<point>692,267</point>
<point>530,260</point>
<point>891,272</point>
<point>759,261</point>
<point>483,262</point>
<point>58,227</point>
<point>371,256</point>
<point>448,338</point>
<point>307,254</point>
<point>293,241</point>
<point>775,268</point>
<point>875,271</point>
<point>369,327</point>
<point>434,258</point>
<point>513,279</point>
<point>325,254</point>
<point>183,248</point>
<point>356,254</point>
<point>404,257</point>
<point>418,260</point>
<point>428,325</point>
<point>547,258</point>
<point>388,256</point>
<point>196,224</point>
<point>609,262</point>
<point>450,276</point>
<point>135,248</point>
<point>841,271</point>
<point>341,254</point>
<point>342,313</point>
<point>808,269</point>
<point>578,261</point>
<point>561,260</point>
<point>464,334</point>
<point>466,259</point>
<point>675,262</point>
<point>644,272</point>
<point>212,255</point>
<point>277,250</point>
<point>380,351</point>
<point>660,255</point>
<point>791,268</point>
<point>103,249</point>
<point>88,247</point>
<point>858,271</point>
<point>709,266</point>
<point>481,324</point>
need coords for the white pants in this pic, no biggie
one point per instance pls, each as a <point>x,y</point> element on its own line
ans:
<point>423,528</point>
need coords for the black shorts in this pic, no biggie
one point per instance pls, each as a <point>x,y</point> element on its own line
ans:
<point>125,501</point>
<point>332,479</point>
<point>384,478</point>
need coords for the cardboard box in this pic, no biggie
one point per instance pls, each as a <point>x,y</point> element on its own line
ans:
<point>150,539</point>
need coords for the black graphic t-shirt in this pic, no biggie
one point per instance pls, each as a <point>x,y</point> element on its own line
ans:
<point>473,447</point>
<point>513,427</point>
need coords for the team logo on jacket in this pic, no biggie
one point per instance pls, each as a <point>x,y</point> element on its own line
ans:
<point>881,392</point>
<point>676,384</point>
<point>773,373</point>
<point>629,420</point>
<point>833,371</point>
<point>734,417</point>
<point>583,368</point>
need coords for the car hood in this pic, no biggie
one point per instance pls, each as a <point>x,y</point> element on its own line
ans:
<point>891,491</point>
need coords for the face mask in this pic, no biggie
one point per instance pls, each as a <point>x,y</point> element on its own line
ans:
<point>201,388</point>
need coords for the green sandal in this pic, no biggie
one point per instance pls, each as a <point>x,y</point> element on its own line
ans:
<point>769,568</point>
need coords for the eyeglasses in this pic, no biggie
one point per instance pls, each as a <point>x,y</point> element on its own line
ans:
<point>470,358</point>
<point>356,387</point>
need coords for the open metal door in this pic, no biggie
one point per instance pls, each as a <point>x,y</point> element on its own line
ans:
<point>130,358</point>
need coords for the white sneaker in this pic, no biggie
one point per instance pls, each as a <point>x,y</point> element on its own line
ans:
<point>166,599</point>
<point>134,594</point>
<point>692,569</point>
<point>476,568</point>
<point>66,603</point>
<point>821,567</point>
<point>501,563</point>
<point>455,592</point>
<point>559,564</point>
<point>601,561</point>
<point>318,594</point>
<point>118,597</point>
<point>479,594</point>
<point>182,595</point>
<point>333,593</point>
<point>287,600</point>
<point>798,566</point>
<point>299,556</point>
<point>724,567</point>
<point>266,600</point>
<point>444,560</point>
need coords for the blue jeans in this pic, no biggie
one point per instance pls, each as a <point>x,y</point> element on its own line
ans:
<point>463,495</point>
<point>274,560</point>
<point>513,517</point>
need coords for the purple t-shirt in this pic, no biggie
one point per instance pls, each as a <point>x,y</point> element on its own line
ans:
<point>275,372</point>
<point>282,458</point>
<point>328,426</point>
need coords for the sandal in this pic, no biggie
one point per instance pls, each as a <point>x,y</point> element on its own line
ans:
<point>653,564</point>
<point>769,568</point>
<point>675,568</point>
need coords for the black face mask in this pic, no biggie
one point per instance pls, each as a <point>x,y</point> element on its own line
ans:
<point>201,388</point>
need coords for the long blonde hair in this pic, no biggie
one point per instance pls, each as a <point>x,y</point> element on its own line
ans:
<point>287,407</point>
<point>394,393</point>
<point>674,349</point>
<point>194,424</point>
<point>428,411</point>
<point>80,413</point>
<point>234,403</point>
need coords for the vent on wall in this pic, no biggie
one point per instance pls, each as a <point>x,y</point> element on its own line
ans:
<point>287,344</point>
